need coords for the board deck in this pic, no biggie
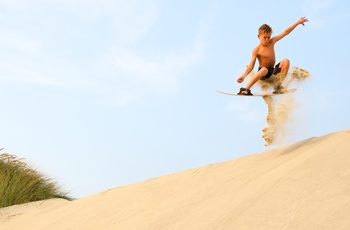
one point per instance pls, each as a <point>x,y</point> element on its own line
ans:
<point>259,94</point>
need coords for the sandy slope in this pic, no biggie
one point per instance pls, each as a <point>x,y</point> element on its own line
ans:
<point>302,186</point>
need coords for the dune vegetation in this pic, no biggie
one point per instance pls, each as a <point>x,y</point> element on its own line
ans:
<point>21,183</point>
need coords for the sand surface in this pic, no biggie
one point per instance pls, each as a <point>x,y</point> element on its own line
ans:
<point>302,186</point>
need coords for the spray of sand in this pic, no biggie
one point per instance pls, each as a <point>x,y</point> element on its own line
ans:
<point>280,108</point>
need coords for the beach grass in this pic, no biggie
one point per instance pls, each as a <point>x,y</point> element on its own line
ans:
<point>20,183</point>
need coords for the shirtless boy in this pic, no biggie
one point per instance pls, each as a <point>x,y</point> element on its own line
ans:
<point>265,53</point>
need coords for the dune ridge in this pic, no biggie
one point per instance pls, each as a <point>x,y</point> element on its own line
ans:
<point>300,186</point>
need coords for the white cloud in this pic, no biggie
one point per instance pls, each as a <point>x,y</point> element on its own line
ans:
<point>131,18</point>
<point>19,41</point>
<point>113,69</point>
<point>18,4</point>
<point>119,73</point>
<point>128,75</point>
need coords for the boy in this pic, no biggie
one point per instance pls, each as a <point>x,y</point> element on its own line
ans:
<point>265,53</point>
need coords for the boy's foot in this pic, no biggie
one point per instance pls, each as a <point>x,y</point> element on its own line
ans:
<point>279,89</point>
<point>244,91</point>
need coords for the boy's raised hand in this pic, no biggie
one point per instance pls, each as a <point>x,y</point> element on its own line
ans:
<point>302,20</point>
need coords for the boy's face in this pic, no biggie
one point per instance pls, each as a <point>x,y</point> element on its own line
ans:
<point>264,38</point>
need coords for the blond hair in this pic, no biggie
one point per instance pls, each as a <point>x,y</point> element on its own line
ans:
<point>265,28</point>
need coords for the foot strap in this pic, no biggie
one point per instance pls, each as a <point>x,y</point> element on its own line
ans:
<point>244,91</point>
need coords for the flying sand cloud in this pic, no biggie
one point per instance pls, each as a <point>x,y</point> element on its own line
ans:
<point>280,110</point>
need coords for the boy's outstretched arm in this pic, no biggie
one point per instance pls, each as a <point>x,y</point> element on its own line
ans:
<point>301,21</point>
<point>249,67</point>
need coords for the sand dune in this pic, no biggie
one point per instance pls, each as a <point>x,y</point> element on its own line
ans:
<point>301,186</point>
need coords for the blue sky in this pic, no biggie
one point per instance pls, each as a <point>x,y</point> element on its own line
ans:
<point>100,94</point>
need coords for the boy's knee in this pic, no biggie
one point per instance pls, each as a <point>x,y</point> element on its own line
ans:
<point>285,61</point>
<point>263,71</point>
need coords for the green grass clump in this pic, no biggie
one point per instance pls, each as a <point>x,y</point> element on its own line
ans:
<point>20,183</point>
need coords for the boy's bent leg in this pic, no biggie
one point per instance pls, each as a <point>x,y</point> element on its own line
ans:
<point>284,68</point>
<point>281,72</point>
<point>262,72</point>
<point>284,65</point>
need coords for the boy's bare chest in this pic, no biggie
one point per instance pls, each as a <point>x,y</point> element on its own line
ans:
<point>266,52</point>
<point>266,56</point>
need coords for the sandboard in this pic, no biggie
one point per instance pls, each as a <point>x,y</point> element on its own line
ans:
<point>259,94</point>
